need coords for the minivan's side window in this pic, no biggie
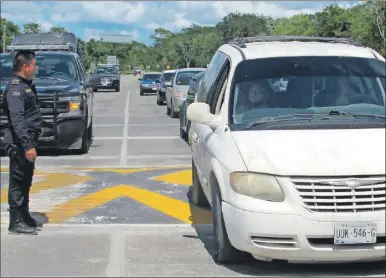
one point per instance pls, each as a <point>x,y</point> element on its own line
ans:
<point>218,88</point>
<point>211,76</point>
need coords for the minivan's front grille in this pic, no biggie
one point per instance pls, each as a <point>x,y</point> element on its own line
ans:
<point>342,195</point>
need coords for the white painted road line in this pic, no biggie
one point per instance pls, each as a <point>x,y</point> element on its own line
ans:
<point>152,137</point>
<point>136,125</point>
<point>109,125</point>
<point>124,146</point>
<point>125,131</point>
<point>107,138</point>
<point>109,115</point>
<point>116,265</point>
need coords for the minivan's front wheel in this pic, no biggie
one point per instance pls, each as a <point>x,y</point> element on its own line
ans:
<point>224,251</point>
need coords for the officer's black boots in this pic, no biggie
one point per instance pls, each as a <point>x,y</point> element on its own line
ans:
<point>30,220</point>
<point>17,224</point>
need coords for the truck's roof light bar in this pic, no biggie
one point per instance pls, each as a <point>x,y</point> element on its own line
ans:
<point>44,47</point>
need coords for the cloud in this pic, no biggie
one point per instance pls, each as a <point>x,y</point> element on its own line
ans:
<point>263,7</point>
<point>115,12</point>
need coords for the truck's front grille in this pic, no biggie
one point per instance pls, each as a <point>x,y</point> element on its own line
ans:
<point>333,195</point>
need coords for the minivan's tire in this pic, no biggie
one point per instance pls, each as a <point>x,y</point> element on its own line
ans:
<point>225,253</point>
<point>198,195</point>
<point>118,88</point>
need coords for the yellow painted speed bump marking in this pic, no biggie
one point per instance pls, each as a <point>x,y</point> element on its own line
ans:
<point>167,205</point>
<point>51,181</point>
<point>180,177</point>
<point>126,170</point>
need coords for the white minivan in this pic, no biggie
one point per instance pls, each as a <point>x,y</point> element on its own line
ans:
<point>294,173</point>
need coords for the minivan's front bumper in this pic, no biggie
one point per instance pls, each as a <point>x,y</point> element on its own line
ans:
<point>301,228</point>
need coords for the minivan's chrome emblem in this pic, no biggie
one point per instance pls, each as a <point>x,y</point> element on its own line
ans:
<point>353,183</point>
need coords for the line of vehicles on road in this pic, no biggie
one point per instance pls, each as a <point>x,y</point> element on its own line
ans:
<point>287,136</point>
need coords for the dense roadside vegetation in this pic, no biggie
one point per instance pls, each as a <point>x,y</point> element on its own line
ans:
<point>194,46</point>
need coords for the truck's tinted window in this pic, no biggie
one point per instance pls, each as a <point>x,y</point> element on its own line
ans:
<point>56,66</point>
<point>6,66</point>
<point>107,70</point>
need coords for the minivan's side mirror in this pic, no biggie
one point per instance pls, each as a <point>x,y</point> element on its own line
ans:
<point>139,79</point>
<point>199,112</point>
<point>158,81</point>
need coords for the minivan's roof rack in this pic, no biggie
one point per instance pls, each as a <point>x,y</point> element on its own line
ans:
<point>241,41</point>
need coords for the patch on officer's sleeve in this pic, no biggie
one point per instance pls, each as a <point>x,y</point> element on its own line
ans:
<point>15,81</point>
<point>16,94</point>
<point>28,90</point>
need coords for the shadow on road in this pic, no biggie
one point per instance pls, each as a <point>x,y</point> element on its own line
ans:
<point>41,217</point>
<point>202,223</point>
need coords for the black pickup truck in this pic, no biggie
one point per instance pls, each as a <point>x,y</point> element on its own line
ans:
<point>110,78</point>
<point>65,93</point>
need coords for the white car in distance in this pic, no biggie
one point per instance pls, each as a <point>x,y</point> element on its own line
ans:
<point>295,174</point>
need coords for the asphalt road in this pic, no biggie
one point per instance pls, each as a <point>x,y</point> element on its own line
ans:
<point>123,209</point>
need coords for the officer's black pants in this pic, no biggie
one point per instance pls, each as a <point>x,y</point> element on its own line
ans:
<point>21,173</point>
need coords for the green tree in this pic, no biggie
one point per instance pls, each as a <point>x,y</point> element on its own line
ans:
<point>57,30</point>
<point>31,28</point>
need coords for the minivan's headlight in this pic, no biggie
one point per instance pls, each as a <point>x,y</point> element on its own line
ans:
<point>257,186</point>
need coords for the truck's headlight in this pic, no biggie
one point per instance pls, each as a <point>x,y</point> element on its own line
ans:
<point>74,102</point>
<point>257,186</point>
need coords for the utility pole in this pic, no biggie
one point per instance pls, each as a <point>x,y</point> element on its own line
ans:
<point>4,36</point>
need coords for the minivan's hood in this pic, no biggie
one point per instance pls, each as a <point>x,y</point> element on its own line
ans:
<point>313,152</point>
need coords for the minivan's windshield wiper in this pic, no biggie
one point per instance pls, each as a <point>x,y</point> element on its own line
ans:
<point>308,116</point>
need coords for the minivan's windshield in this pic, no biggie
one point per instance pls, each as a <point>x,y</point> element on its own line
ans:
<point>48,66</point>
<point>311,85</point>
<point>184,77</point>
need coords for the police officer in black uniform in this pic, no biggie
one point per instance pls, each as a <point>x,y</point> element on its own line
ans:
<point>24,128</point>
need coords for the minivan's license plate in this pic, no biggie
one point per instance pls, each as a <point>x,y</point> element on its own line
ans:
<point>355,233</point>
